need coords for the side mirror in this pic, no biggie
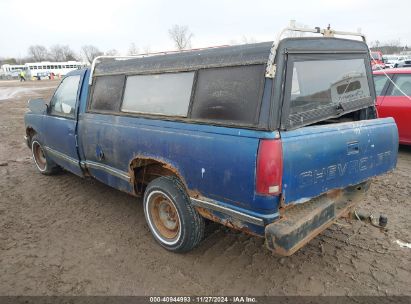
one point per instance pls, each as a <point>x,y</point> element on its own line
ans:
<point>38,105</point>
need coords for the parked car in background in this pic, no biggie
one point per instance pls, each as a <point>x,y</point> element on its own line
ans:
<point>391,60</point>
<point>14,74</point>
<point>42,75</point>
<point>405,63</point>
<point>391,101</point>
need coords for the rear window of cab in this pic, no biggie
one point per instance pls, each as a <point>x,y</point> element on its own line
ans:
<point>401,84</point>
<point>339,85</point>
<point>380,82</point>
<point>224,95</point>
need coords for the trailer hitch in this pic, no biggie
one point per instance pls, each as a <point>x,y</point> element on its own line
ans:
<point>378,222</point>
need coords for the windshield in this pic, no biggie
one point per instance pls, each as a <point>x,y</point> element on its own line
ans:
<point>322,88</point>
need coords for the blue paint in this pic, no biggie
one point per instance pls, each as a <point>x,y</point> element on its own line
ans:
<point>228,159</point>
<point>320,158</point>
<point>220,162</point>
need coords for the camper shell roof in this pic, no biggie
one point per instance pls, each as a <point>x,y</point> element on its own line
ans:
<point>321,45</point>
<point>256,53</point>
<point>247,54</point>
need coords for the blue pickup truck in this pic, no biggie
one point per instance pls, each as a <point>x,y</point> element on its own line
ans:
<point>277,140</point>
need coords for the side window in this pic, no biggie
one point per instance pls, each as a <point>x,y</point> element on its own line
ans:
<point>164,94</point>
<point>230,94</point>
<point>64,99</point>
<point>107,93</point>
<point>403,81</point>
<point>379,83</point>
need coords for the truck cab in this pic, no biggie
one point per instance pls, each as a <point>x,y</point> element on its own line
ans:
<point>276,139</point>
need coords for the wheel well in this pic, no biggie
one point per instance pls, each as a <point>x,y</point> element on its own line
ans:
<point>145,170</point>
<point>30,132</point>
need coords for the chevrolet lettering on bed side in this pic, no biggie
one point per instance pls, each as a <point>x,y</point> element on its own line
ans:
<point>308,178</point>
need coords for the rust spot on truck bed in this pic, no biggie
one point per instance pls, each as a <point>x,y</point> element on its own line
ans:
<point>194,193</point>
<point>143,169</point>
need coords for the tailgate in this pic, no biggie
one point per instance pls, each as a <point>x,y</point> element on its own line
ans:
<point>317,159</point>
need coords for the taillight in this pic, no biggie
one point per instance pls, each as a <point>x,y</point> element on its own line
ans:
<point>269,167</point>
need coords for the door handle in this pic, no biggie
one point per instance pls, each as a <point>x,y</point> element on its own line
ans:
<point>353,148</point>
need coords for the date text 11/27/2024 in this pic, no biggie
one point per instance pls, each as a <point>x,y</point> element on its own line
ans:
<point>203,299</point>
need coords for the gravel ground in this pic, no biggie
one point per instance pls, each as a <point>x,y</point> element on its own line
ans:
<point>64,235</point>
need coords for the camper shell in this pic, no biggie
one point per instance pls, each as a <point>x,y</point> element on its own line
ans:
<point>273,113</point>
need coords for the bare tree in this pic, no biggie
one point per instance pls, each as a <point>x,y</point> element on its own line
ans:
<point>147,49</point>
<point>89,52</point>
<point>38,52</point>
<point>181,36</point>
<point>393,46</point>
<point>375,44</point>
<point>244,40</point>
<point>393,42</point>
<point>248,40</point>
<point>8,61</point>
<point>133,49</point>
<point>23,60</point>
<point>62,53</point>
<point>112,52</point>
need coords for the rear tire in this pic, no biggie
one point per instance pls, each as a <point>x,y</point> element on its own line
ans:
<point>43,163</point>
<point>173,221</point>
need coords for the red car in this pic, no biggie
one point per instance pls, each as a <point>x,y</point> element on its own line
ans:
<point>377,62</point>
<point>391,102</point>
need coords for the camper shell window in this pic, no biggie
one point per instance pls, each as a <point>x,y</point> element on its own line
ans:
<point>159,94</point>
<point>229,95</point>
<point>223,96</point>
<point>219,86</point>
<point>107,93</point>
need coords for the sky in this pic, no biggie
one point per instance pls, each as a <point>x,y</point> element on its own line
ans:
<point>116,24</point>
